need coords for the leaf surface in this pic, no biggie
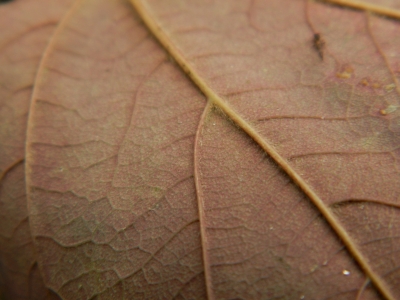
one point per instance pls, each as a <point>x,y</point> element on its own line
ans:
<point>26,28</point>
<point>114,211</point>
<point>284,186</point>
<point>335,92</point>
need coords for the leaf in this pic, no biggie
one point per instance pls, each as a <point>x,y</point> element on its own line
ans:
<point>26,28</point>
<point>285,185</point>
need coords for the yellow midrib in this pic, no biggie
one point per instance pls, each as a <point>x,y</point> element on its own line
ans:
<point>214,98</point>
<point>378,9</point>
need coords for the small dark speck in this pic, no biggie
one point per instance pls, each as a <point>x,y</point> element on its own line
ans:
<point>319,44</point>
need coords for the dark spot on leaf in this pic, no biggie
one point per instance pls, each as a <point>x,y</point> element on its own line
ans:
<point>319,44</point>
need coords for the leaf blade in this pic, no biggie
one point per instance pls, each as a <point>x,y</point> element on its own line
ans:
<point>206,88</point>
<point>114,210</point>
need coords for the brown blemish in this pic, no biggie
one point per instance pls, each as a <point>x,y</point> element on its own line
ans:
<point>364,82</point>
<point>345,73</point>
<point>376,85</point>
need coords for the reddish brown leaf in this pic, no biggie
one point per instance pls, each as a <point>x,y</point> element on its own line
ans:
<point>330,124</point>
<point>284,186</point>
<point>25,30</point>
<point>114,210</point>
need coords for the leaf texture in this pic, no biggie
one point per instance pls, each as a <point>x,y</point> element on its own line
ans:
<point>114,211</point>
<point>342,74</point>
<point>256,156</point>
<point>26,28</point>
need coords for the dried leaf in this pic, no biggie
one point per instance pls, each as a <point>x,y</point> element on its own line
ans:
<point>217,149</point>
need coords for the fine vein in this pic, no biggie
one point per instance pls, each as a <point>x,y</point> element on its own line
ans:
<point>10,167</point>
<point>215,99</point>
